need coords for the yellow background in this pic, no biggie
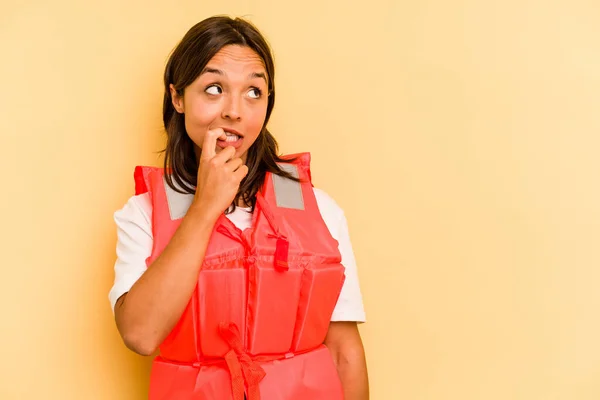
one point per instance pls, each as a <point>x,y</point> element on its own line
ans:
<point>460,137</point>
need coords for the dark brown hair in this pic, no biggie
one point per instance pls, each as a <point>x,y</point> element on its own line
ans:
<point>188,59</point>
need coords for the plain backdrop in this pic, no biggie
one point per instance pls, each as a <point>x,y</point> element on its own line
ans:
<point>460,137</point>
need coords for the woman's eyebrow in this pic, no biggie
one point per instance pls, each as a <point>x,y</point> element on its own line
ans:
<point>208,70</point>
<point>258,75</point>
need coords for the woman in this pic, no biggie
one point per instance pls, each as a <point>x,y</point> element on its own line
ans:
<point>231,263</point>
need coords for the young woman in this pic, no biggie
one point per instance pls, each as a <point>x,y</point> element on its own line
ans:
<point>229,261</point>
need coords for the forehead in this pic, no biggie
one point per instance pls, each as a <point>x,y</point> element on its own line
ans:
<point>237,59</point>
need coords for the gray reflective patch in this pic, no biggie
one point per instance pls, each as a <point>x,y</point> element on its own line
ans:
<point>288,193</point>
<point>179,203</point>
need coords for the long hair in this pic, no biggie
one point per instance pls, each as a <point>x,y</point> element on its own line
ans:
<point>188,59</point>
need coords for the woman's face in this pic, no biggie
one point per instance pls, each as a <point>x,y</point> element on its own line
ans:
<point>230,93</point>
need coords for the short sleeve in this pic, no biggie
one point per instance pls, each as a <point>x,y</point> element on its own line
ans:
<point>134,244</point>
<point>350,305</point>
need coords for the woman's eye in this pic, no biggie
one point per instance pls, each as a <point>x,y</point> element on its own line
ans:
<point>254,93</point>
<point>213,89</point>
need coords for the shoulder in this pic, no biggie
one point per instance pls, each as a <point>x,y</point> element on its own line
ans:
<point>327,204</point>
<point>138,210</point>
<point>325,201</point>
<point>331,212</point>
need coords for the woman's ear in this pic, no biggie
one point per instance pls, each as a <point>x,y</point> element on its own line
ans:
<point>176,99</point>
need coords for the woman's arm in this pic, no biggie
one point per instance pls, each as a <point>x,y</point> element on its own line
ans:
<point>149,311</point>
<point>345,344</point>
<point>146,314</point>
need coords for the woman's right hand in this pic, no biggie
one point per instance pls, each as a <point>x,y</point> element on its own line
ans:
<point>219,176</point>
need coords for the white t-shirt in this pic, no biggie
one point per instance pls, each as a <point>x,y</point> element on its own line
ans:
<point>134,246</point>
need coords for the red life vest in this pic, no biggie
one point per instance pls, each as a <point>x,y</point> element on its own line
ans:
<point>258,317</point>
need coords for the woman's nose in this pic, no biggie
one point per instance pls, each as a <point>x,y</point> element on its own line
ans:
<point>232,108</point>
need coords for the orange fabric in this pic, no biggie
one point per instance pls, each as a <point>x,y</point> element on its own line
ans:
<point>244,371</point>
<point>257,319</point>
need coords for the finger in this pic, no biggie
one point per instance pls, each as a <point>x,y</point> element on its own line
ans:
<point>241,172</point>
<point>234,164</point>
<point>226,154</point>
<point>209,145</point>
